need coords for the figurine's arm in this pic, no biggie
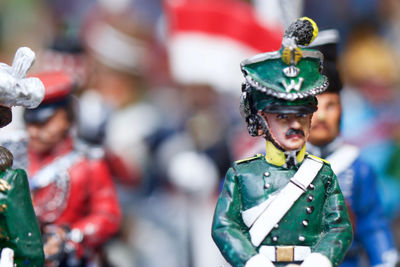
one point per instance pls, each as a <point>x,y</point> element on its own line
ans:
<point>372,228</point>
<point>338,233</point>
<point>228,230</point>
<point>20,218</point>
<point>104,216</point>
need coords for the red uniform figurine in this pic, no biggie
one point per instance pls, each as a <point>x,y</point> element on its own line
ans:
<point>73,195</point>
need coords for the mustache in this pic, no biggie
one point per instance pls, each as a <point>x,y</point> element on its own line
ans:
<point>292,131</point>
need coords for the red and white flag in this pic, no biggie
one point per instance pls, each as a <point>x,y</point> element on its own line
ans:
<point>208,39</point>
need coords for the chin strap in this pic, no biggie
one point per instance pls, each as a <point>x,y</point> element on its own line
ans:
<point>275,154</point>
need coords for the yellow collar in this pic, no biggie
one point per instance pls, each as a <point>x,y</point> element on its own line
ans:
<point>277,157</point>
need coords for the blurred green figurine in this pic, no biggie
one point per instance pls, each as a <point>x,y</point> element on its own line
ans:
<point>20,239</point>
<point>284,207</point>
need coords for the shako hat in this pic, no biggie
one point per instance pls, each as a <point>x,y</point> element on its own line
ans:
<point>287,80</point>
<point>284,81</point>
<point>58,90</point>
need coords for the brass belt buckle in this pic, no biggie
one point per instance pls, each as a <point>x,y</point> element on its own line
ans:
<point>284,253</point>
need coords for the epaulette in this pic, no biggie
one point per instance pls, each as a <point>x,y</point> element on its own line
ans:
<point>318,158</point>
<point>95,153</point>
<point>249,159</point>
<point>91,152</point>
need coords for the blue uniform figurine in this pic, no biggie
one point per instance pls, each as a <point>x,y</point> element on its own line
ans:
<point>372,233</point>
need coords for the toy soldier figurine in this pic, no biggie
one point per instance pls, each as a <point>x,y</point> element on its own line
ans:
<point>19,230</point>
<point>73,194</point>
<point>284,207</point>
<point>357,180</point>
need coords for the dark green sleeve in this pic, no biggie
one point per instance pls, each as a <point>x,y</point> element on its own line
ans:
<point>338,233</point>
<point>228,230</point>
<point>23,231</point>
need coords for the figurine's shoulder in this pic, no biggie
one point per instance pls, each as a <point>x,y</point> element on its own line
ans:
<point>250,165</point>
<point>318,159</point>
<point>249,160</point>
<point>87,151</point>
<point>7,174</point>
<point>11,179</point>
<point>326,169</point>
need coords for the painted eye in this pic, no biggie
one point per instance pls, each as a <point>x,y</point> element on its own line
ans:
<point>282,116</point>
<point>301,115</point>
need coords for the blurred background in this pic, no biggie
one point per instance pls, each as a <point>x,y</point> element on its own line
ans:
<point>158,84</point>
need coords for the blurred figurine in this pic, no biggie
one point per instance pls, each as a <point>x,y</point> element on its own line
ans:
<point>19,231</point>
<point>114,109</point>
<point>74,197</point>
<point>357,180</point>
<point>115,112</point>
<point>285,207</point>
<point>371,104</point>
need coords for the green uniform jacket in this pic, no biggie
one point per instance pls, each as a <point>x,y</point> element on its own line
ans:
<point>318,219</point>
<point>19,229</point>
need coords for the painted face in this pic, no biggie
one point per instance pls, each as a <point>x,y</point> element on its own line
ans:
<point>326,120</point>
<point>43,137</point>
<point>290,131</point>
